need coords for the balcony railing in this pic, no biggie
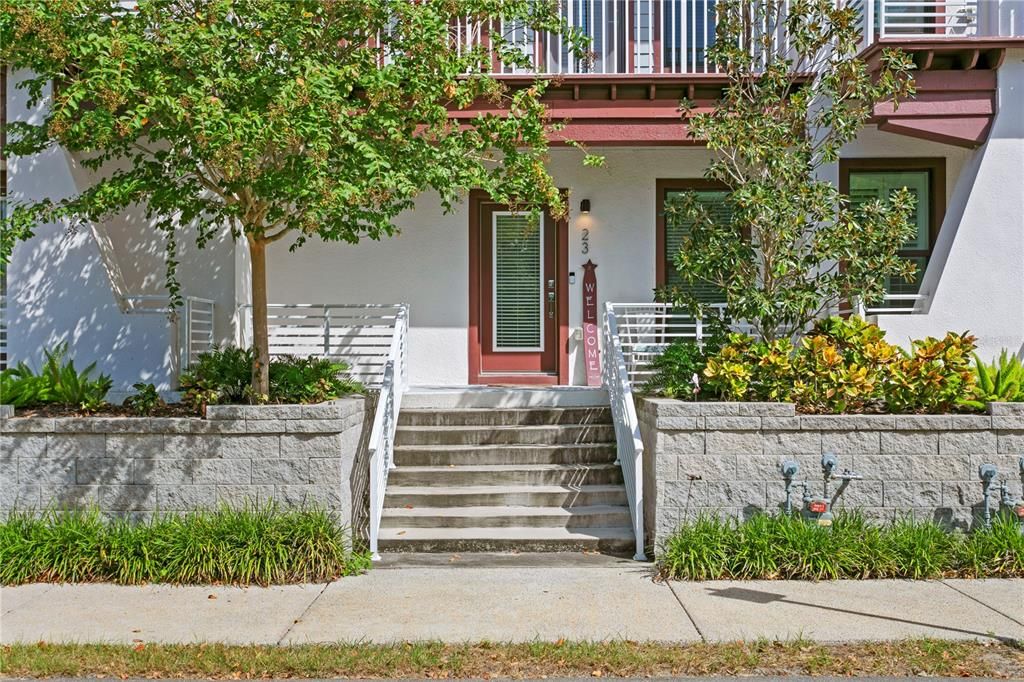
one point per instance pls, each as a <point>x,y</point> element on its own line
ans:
<point>646,37</point>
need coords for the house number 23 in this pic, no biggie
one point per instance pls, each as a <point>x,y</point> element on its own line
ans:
<point>585,241</point>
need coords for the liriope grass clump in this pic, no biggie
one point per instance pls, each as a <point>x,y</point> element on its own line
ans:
<point>766,547</point>
<point>252,545</point>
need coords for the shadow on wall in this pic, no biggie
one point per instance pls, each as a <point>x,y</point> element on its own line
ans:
<point>62,285</point>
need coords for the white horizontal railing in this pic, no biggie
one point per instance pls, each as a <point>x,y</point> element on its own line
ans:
<point>358,334</point>
<point>893,304</point>
<point>645,330</point>
<point>929,18</point>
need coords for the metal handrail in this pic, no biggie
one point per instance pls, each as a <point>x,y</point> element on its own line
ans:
<point>628,440</point>
<point>385,421</point>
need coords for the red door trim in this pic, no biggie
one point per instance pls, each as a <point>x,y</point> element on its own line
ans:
<point>475,330</point>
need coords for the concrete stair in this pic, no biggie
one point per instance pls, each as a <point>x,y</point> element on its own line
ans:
<point>526,478</point>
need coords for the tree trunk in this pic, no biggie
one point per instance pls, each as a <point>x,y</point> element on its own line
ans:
<point>260,335</point>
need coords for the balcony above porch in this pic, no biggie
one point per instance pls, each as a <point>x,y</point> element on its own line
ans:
<point>646,55</point>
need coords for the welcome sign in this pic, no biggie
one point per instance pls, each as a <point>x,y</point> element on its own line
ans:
<point>591,347</point>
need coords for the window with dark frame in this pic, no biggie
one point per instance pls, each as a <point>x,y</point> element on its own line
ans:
<point>868,179</point>
<point>673,228</point>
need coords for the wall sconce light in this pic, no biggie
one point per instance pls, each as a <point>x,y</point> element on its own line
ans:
<point>585,207</point>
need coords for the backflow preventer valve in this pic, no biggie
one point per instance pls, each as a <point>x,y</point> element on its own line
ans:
<point>1015,507</point>
<point>817,509</point>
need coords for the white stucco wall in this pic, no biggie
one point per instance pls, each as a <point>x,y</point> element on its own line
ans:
<point>61,285</point>
<point>975,281</point>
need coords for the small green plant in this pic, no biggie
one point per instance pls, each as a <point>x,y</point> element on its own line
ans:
<point>308,380</point>
<point>57,383</point>
<point>145,401</point>
<point>768,547</point>
<point>255,544</point>
<point>1001,381</point>
<point>218,376</point>
<point>677,371</point>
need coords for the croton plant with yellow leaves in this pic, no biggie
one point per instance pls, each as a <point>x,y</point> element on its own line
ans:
<point>845,365</point>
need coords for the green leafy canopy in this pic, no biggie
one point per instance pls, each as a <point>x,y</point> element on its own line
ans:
<point>279,119</point>
<point>793,247</point>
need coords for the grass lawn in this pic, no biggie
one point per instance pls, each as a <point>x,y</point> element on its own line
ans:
<point>533,660</point>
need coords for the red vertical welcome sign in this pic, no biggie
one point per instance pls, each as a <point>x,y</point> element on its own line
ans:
<point>591,349</point>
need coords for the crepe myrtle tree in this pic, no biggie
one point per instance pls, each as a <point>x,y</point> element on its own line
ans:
<point>278,119</point>
<point>789,246</point>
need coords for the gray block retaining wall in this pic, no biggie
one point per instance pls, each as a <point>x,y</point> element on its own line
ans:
<point>294,454</point>
<point>724,458</point>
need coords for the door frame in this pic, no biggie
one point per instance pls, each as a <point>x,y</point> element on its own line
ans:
<point>474,331</point>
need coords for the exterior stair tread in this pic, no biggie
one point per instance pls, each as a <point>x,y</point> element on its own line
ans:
<point>481,410</point>
<point>508,467</point>
<point>624,533</point>
<point>481,511</point>
<point>474,489</point>
<point>469,447</point>
<point>497,427</point>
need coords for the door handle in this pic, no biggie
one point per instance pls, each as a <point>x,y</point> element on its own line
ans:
<point>551,304</point>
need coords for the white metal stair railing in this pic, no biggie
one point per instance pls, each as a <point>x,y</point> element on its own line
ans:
<point>629,444</point>
<point>385,421</point>
<point>358,334</point>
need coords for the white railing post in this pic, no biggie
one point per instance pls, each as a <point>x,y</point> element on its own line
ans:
<point>629,443</point>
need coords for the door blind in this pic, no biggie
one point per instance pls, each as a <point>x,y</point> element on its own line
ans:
<point>518,259</point>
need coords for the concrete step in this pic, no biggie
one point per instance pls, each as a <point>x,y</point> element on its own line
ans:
<point>504,435</point>
<point>510,495</point>
<point>612,540</point>
<point>443,455</point>
<point>520,474</point>
<point>504,417</point>
<point>503,397</point>
<point>603,516</point>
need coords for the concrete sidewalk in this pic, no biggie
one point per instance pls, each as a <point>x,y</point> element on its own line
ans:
<point>516,600</point>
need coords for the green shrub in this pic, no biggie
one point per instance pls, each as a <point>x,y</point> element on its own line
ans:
<point>223,376</point>
<point>677,371</point>
<point>767,547</point>
<point>218,376</point>
<point>935,376</point>
<point>999,381</point>
<point>308,380</point>
<point>57,383</point>
<point>145,401</point>
<point>845,365</point>
<point>258,544</point>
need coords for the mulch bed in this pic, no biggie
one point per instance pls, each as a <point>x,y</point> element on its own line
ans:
<point>169,410</point>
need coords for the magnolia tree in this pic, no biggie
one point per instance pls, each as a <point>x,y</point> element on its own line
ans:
<point>277,119</point>
<point>790,246</point>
